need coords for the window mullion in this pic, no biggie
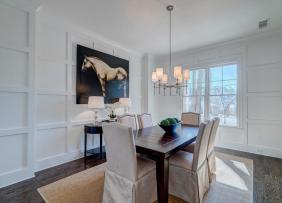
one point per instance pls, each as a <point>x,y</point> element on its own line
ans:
<point>206,97</point>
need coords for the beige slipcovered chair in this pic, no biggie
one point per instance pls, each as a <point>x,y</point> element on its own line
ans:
<point>188,173</point>
<point>145,120</point>
<point>128,120</point>
<point>191,118</point>
<point>210,151</point>
<point>128,178</point>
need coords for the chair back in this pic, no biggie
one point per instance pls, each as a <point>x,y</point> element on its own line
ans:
<point>144,120</point>
<point>120,150</point>
<point>214,129</point>
<point>191,118</point>
<point>128,120</point>
<point>201,146</point>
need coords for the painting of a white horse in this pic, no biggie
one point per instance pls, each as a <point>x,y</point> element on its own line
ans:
<point>104,71</point>
<point>101,74</point>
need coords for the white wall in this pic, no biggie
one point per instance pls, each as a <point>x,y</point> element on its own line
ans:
<point>40,123</point>
<point>260,58</point>
<point>59,120</point>
<point>16,90</point>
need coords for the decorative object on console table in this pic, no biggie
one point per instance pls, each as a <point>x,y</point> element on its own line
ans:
<point>126,103</point>
<point>93,129</point>
<point>96,103</point>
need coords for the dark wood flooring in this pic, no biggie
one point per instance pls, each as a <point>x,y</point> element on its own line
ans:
<point>267,179</point>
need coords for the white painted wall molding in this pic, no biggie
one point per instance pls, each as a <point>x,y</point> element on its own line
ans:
<point>17,90</point>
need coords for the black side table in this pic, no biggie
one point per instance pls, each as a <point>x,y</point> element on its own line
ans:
<point>93,129</point>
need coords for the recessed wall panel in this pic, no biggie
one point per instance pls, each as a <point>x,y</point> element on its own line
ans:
<point>52,43</point>
<point>75,138</point>
<point>51,109</point>
<point>266,135</point>
<point>13,152</point>
<point>266,50</point>
<point>265,107</point>
<point>50,142</point>
<point>13,68</point>
<point>14,26</point>
<point>13,110</point>
<point>51,76</point>
<point>266,79</point>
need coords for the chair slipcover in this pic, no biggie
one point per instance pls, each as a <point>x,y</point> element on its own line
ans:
<point>128,120</point>
<point>145,120</point>
<point>191,118</point>
<point>210,150</point>
<point>128,179</point>
<point>188,173</point>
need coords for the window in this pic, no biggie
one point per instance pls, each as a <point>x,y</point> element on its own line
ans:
<point>213,92</point>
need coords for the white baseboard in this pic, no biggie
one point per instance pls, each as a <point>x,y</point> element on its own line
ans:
<point>15,176</point>
<point>260,150</point>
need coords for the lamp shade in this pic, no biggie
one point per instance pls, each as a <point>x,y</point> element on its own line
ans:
<point>186,74</point>
<point>159,73</point>
<point>164,79</point>
<point>154,77</point>
<point>96,102</point>
<point>126,102</point>
<point>177,71</point>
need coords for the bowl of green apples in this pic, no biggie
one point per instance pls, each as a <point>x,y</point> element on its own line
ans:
<point>169,125</point>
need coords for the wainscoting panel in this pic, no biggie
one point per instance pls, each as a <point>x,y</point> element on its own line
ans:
<point>50,142</point>
<point>13,110</point>
<point>13,68</point>
<point>265,107</point>
<point>51,76</point>
<point>265,135</point>
<point>75,138</point>
<point>265,50</point>
<point>266,78</point>
<point>13,158</point>
<point>14,32</point>
<point>51,108</point>
<point>52,43</point>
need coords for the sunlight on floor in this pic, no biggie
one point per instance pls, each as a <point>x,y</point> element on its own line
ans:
<point>229,176</point>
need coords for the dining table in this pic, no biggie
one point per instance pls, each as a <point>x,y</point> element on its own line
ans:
<point>156,144</point>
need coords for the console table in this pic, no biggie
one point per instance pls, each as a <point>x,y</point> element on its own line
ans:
<point>93,129</point>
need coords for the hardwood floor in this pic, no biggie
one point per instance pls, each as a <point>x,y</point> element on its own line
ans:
<point>267,179</point>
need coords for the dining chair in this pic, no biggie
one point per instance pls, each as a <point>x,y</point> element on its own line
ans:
<point>144,120</point>
<point>210,152</point>
<point>128,178</point>
<point>188,173</point>
<point>128,120</point>
<point>191,118</point>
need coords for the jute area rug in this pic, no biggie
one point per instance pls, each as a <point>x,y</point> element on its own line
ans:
<point>233,183</point>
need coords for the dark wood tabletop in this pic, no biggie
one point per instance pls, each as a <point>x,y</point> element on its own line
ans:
<point>159,146</point>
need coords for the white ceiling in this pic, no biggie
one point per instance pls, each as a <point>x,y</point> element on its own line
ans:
<point>142,25</point>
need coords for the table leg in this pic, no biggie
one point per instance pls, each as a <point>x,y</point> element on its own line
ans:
<point>85,147</point>
<point>162,170</point>
<point>101,146</point>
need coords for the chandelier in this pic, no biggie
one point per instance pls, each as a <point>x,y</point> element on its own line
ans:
<point>160,78</point>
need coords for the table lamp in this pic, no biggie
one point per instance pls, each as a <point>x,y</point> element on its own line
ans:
<point>96,102</point>
<point>125,102</point>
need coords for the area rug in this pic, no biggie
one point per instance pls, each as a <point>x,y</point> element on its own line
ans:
<point>233,183</point>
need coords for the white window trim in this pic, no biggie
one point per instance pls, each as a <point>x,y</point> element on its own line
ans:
<point>221,62</point>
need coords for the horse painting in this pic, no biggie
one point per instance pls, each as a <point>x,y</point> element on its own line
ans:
<point>100,74</point>
<point>104,71</point>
